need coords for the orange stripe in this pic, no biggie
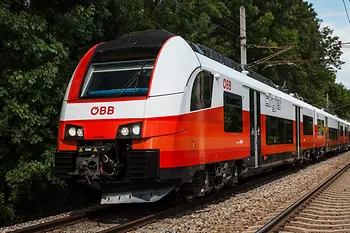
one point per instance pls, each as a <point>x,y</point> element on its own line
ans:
<point>206,128</point>
<point>189,139</point>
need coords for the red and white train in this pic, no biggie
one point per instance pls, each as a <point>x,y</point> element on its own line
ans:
<point>150,113</point>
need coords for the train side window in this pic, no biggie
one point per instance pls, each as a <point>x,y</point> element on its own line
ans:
<point>308,125</point>
<point>333,134</point>
<point>320,127</point>
<point>341,130</point>
<point>202,91</point>
<point>278,131</point>
<point>232,113</point>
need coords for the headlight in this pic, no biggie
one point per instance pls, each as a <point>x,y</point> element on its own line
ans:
<point>80,132</point>
<point>74,132</point>
<point>136,129</point>
<point>132,130</point>
<point>124,131</point>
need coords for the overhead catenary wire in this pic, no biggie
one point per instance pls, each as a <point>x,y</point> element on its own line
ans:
<point>346,10</point>
<point>226,17</point>
<point>260,61</point>
<point>267,47</point>
<point>232,33</point>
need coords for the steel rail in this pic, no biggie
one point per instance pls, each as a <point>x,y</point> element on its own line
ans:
<point>137,223</point>
<point>248,184</point>
<point>61,222</point>
<point>129,226</point>
<point>274,224</point>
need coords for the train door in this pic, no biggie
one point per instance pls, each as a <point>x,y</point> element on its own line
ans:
<point>326,133</point>
<point>255,134</point>
<point>297,131</point>
<point>338,135</point>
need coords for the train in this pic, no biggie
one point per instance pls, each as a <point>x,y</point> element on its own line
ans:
<point>151,113</point>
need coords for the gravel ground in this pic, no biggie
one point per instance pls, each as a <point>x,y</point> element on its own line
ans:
<point>246,212</point>
<point>237,213</point>
<point>50,218</point>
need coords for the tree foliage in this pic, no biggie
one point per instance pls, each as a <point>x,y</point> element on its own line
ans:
<point>42,41</point>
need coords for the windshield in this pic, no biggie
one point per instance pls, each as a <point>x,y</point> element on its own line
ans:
<point>118,79</point>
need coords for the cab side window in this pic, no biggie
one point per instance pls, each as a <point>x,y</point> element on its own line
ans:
<point>202,91</point>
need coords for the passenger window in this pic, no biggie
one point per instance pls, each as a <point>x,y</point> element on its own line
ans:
<point>202,91</point>
<point>278,130</point>
<point>232,113</point>
<point>308,125</point>
<point>333,134</point>
<point>341,130</point>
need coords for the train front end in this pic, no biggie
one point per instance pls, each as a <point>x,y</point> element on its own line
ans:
<point>120,111</point>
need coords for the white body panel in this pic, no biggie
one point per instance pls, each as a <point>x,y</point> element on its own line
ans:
<point>170,93</point>
<point>241,83</point>
<point>122,109</point>
<point>274,105</point>
<point>319,114</point>
<point>175,64</point>
<point>160,106</point>
<point>225,73</point>
<point>308,112</point>
<point>332,123</point>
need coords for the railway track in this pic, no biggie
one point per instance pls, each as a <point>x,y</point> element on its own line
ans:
<point>61,222</point>
<point>251,183</point>
<point>124,218</point>
<point>325,209</point>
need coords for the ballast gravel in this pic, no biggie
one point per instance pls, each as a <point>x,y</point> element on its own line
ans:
<point>248,211</point>
<point>50,218</point>
<point>243,212</point>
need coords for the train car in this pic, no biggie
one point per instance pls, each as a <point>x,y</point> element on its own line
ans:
<point>321,136</point>
<point>150,113</point>
<point>332,125</point>
<point>343,134</point>
<point>347,134</point>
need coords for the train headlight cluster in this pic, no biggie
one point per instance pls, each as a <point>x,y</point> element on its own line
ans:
<point>130,130</point>
<point>74,132</point>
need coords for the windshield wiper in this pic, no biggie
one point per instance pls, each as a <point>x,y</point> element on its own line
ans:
<point>128,84</point>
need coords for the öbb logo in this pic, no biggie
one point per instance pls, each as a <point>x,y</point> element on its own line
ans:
<point>102,110</point>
